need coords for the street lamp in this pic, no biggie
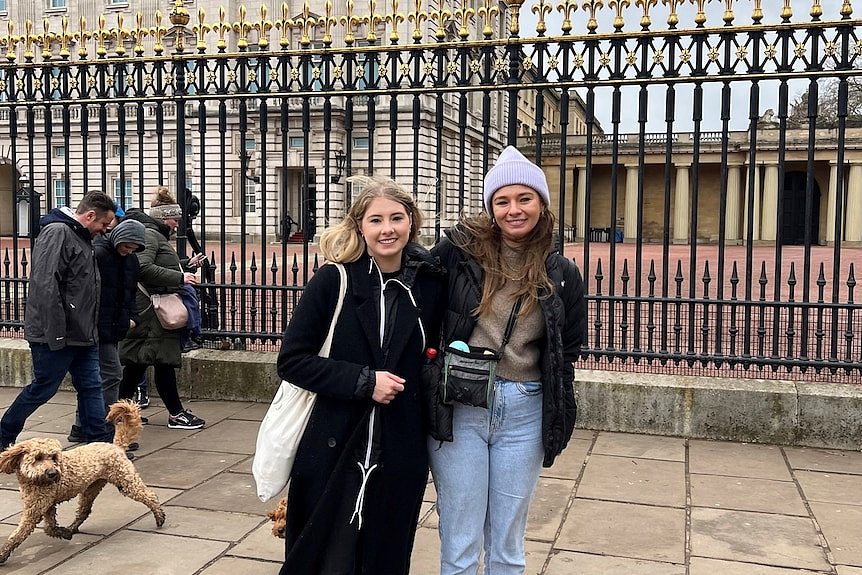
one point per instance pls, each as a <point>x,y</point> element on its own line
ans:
<point>339,166</point>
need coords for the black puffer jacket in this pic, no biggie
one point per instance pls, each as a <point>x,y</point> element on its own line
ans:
<point>565,314</point>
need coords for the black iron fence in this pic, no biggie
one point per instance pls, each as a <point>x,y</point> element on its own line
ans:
<point>705,161</point>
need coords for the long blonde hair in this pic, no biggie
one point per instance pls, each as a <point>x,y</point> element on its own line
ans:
<point>343,242</point>
<point>483,242</point>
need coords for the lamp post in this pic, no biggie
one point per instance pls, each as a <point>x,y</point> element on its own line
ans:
<point>26,193</point>
<point>339,166</point>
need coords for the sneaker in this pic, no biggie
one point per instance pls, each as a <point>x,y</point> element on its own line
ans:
<point>133,446</point>
<point>185,420</point>
<point>142,397</point>
<point>75,435</point>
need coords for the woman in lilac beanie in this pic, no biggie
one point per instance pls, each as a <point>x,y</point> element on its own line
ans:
<point>508,290</point>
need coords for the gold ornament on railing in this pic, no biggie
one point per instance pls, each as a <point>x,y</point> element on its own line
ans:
<point>306,22</point>
<point>541,9</point>
<point>120,34</point>
<point>672,17</point>
<point>441,16</point>
<point>179,17</point>
<point>394,18</point>
<point>591,6</point>
<point>371,21</point>
<point>350,22</point>
<point>417,17</point>
<point>65,37</point>
<point>284,25</point>
<point>100,36</point>
<point>242,27</point>
<point>139,33</point>
<point>201,29</point>
<point>222,27</point>
<point>11,40</point>
<point>645,5</point>
<point>82,36</point>
<point>158,32</point>
<point>846,9</point>
<point>327,22</point>
<point>567,8</point>
<point>46,38</point>
<point>515,25</point>
<point>757,13</point>
<point>700,17</point>
<point>728,13</point>
<point>816,10</point>
<point>29,37</point>
<point>618,6</point>
<point>464,15</point>
<point>263,26</point>
<point>787,11</point>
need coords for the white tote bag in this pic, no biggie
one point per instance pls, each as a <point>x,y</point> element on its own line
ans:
<point>284,423</point>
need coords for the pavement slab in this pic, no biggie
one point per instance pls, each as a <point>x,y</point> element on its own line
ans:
<point>229,435</point>
<point>705,566</point>
<point>568,563</point>
<point>828,460</point>
<point>649,481</point>
<point>236,566</point>
<point>746,494</point>
<point>763,538</point>
<point>737,459</point>
<point>548,508</point>
<point>569,464</point>
<point>641,446</point>
<point>183,469</point>
<point>831,487</point>
<point>842,527</point>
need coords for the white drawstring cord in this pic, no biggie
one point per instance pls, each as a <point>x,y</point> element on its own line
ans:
<point>365,470</point>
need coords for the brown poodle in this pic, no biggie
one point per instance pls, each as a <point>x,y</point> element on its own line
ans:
<point>47,476</point>
<point>277,516</point>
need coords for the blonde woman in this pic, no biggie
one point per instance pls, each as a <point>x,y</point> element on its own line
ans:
<point>361,469</point>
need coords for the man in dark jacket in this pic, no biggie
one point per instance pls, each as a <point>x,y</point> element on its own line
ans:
<point>118,269</point>
<point>60,320</point>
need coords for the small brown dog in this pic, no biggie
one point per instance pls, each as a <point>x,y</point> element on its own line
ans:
<point>278,517</point>
<point>48,476</point>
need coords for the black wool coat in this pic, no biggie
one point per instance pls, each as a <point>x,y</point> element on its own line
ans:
<point>119,284</point>
<point>325,481</point>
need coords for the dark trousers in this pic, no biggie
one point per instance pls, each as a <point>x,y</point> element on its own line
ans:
<point>165,380</point>
<point>49,369</point>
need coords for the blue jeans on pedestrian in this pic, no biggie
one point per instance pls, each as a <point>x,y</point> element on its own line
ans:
<point>49,369</point>
<point>486,478</point>
<point>111,374</point>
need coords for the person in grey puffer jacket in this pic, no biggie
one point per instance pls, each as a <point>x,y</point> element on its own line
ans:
<point>61,315</point>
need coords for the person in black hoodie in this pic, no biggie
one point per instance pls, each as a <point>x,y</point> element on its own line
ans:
<point>118,268</point>
<point>361,467</point>
<point>60,321</point>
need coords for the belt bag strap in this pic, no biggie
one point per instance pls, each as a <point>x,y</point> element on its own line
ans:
<point>510,325</point>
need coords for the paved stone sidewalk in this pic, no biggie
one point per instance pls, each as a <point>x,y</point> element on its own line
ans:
<point>613,504</point>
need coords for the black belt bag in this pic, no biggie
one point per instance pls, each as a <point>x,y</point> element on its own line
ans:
<point>468,376</point>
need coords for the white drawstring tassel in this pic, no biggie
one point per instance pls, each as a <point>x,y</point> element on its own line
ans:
<point>365,469</point>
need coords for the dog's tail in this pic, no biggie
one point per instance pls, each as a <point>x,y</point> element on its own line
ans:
<point>125,415</point>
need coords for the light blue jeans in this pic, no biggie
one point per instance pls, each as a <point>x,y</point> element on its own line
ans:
<point>486,478</point>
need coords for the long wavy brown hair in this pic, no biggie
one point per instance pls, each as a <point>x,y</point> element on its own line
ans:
<point>483,242</point>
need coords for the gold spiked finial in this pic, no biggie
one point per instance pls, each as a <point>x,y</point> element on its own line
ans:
<point>29,38</point>
<point>757,13</point>
<point>242,27</point>
<point>394,18</point>
<point>350,22</point>
<point>846,9</point>
<point>371,21</point>
<point>200,29</point>
<point>306,22</point>
<point>101,35</point>
<point>441,16</point>
<point>591,6</point>
<point>645,5</point>
<point>728,13</point>
<point>139,33</point>
<point>158,32</point>
<point>464,15</point>
<point>816,10</point>
<point>567,8</point>
<point>178,15</point>
<point>11,40</point>
<point>488,12</point>
<point>787,11</point>
<point>700,17</point>
<point>328,21</point>
<point>82,37</point>
<point>618,6</point>
<point>672,17</point>
<point>120,35</point>
<point>417,17</point>
<point>46,39</point>
<point>66,38</point>
<point>222,28</point>
<point>263,26</point>
<point>284,25</point>
<point>541,10</point>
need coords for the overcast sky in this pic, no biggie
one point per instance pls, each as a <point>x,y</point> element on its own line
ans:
<point>684,100</point>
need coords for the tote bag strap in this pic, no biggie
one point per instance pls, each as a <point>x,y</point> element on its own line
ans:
<point>342,291</point>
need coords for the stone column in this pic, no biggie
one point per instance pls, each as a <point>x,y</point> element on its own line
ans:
<point>681,216</point>
<point>756,216</point>
<point>768,216</point>
<point>732,208</point>
<point>581,206</point>
<point>831,200</point>
<point>632,201</point>
<point>853,227</point>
